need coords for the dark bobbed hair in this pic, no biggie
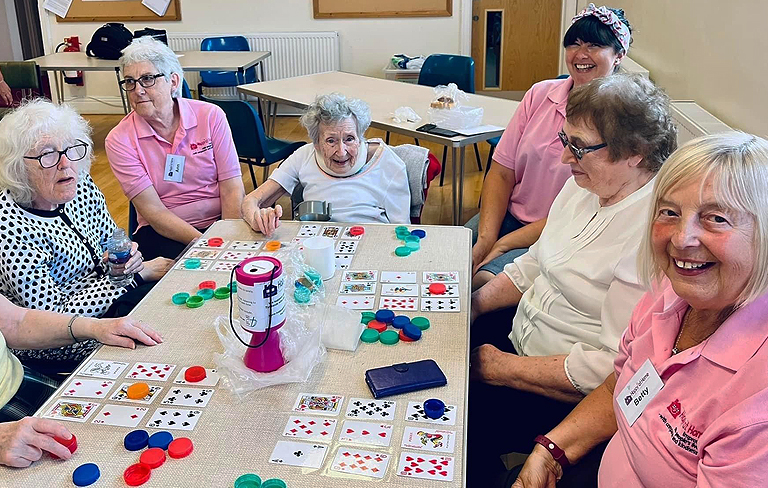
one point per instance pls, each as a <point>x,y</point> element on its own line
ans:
<point>591,29</point>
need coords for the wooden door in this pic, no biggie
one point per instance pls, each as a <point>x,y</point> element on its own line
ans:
<point>515,43</point>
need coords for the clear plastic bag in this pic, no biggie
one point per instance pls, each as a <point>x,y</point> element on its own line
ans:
<point>448,109</point>
<point>405,114</point>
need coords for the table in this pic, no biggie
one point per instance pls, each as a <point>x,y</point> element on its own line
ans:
<point>384,96</point>
<point>189,60</point>
<point>234,437</point>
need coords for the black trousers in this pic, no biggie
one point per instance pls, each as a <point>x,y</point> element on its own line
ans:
<point>153,245</point>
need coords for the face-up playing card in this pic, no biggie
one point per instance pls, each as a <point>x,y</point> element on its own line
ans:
<point>205,264</point>
<point>343,260</point>
<point>98,368</point>
<point>425,439</point>
<point>74,410</point>
<point>355,461</point>
<point>204,243</point>
<point>318,403</point>
<point>425,466</point>
<point>80,388</point>
<point>245,245</point>
<point>151,371</point>
<point>371,275</point>
<point>211,378</point>
<point>314,428</point>
<point>362,408</point>
<point>357,288</point>
<point>366,433</point>
<point>224,265</point>
<point>398,277</point>
<point>348,235</point>
<point>174,418</point>
<point>202,253</point>
<point>301,454</point>
<point>402,303</point>
<point>439,304</point>
<point>237,255</point>
<point>441,277</point>
<point>121,394</point>
<point>308,230</point>
<point>451,291</point>
<point>357,302</point>
<point>181,396</point>
<point>120,415</point>
<point>415,413</point>
<point>399,290</point>
<point>332,231</point>
<point>347,247</point>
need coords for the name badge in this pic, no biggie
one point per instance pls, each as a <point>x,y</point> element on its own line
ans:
<point>640,390</point>
<point>174,168</point>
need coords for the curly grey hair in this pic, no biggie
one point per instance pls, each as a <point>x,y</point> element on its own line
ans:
<point>27,130</point>
<point>149,49</point>
<point>333,108</point>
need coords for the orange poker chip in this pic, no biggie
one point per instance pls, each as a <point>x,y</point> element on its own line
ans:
<point>194,374</point>
<point>154,457</point>
<point>180,447</point>
<point>377,326</point>
<point>215,241</point>
<point>137,391</point>
<point>136,474</point>
<point>207,284</point>
<point>437,288</point>
<point>272,245</point>
<point>356,230</point>
<point>404,337</point>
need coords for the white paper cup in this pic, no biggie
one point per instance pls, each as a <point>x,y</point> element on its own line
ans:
<point>319,254</point>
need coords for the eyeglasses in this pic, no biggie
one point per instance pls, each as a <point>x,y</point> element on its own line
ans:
<point>578,152</point>
<point>129,84</point>
<point>52,158</point>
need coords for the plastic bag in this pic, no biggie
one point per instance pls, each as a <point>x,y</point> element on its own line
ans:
<point>447,109</point>
<point>341,327</point>
<point>405,114</point>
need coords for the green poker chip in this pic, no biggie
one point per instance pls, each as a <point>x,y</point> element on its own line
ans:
<point>402,228</point>
<point>413,246</point>
<point>221,293</point>
<point>367,317</point>
<point>411,238</point>
<point>369,335</point>
<point>195,301</point>
<point>402,251</point>
<point>233,286</point>
<point>389,337</point>
<point>180,298</point>
<point>273,483</point>
<point>206,293</point>
<point>249,480</point>
<point>421,322</point>
<point>192,263</point>
<point>302,294</point>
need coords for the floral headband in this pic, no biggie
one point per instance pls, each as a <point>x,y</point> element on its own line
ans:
<point>609,18</point>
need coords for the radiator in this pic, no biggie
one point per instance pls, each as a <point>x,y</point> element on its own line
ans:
<point>293,54</point>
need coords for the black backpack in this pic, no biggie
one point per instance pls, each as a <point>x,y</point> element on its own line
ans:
<point>108,41</point>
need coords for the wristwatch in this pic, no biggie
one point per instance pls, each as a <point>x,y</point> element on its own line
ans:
<point>554,450</point>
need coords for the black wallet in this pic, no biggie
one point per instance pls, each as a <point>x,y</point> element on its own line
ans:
<point>404,377</point>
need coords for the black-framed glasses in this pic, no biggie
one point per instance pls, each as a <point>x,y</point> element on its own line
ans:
<point>51,158</point>
<point>578,152</point>
<point>129,84</point>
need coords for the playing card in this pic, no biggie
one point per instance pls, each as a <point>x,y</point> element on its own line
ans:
<point>371,275</point>
<point>151,371</point>
<point>309,230</point>
<point>441,277</point>
<point>211,378</point>
<point>415,413</point>
<point>343,260</point>
<point>80,388</point>
<point>347,235</point>
<point>314,428</point>
<point>180,396</point>
<point>398,277</point>
<point>318,403</point>
<point>366,433</point>
<point>355,461</point>
<point>120,415</point>
<point>451,291</point>
<point>202,254</point>
<point>357,302</point>
<point>74,410</point>
<point>174,418</point>
<point>399,290</point>
<point>347,247</point>
<point>224,265</point>
<point>425,466</point>
<point>245,245</point>
<point>99,368</point>
<point>204,264</point>
<point>121,394</point>
<point>332,231</point>
<point>395,303</point>
<point>357,288</point>
<point>425,439</point>
<point>298,242</point>
<point>204,243</point>
<point>237,255</point>
<point>301,454</point>
<point>362,408</point>
<point>439,304</point>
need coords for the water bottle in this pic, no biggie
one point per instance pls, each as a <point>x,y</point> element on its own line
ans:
<point>119,249</point>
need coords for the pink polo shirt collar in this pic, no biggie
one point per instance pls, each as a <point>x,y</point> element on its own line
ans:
<point>559,95</point>
<point>187,120</point>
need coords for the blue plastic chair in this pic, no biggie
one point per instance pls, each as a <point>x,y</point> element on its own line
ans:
<point>185,91</point>
<point>225,78</point>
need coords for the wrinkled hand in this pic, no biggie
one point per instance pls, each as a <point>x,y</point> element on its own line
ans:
<point>487,364</point>
<point>494,253</point>
<point>155,269</point>
<point>135,263</point>
<point>22,442</point>
<point>479,252</point>
<point>5,93</point>
<point>124,331</point>
<point>540,470</point>
<point>266,220</point>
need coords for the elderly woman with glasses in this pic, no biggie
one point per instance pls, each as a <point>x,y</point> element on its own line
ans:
<point>575,288</point>
<point>364,181</point>
<point>54,226</point>
<point>174,158</point>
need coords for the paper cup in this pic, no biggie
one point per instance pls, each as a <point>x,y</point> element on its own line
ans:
<point>319,254</point>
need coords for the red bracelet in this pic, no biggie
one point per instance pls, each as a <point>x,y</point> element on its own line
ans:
<point>554,450</point>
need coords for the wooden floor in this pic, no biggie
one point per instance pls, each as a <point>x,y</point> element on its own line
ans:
<point>437,209</point>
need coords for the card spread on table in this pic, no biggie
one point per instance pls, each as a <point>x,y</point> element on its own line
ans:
<point>151,371</point>
<point>439,304</point>
<point>399,290</point>
<point>415,413</point>
<point>332,231</point>
<point>451,291</point>
<point>204,243</point>
<point>318,429</point>
<point>398,277</point>
<point>348,234</point>
<point>318,403</point>
<point>99,368</point>
<point>245,245</point>
<point>343,260</point>
<point>347,247</point>
<point>309,230</point>
<point>211,378</point>
<point>370,275</point>
<point>302,454</point>
<point>366,433</point>
<point>80,388</point>
<point>174,418</point>
<point>441,277</point>
<point>121,394</point>
<point>180,396</point>
<point>224,265</point>
<point>202,254</point>
<point>357,288</point>
<point>357,302</point>
<point>237,255</point>
<point>362,408</point>
<point>355,461</point>
<point>425,439</point>
<point>120,415</point>
<point>205,264</point>
<point>399,303</point>
<point>74,410</point>
<point>425,466</point>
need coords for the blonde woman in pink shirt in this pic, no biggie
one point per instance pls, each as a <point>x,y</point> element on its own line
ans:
<point>686,404</point>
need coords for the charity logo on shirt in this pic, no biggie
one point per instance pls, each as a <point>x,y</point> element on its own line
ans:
<point>201,146</point>
<point>682,432</point>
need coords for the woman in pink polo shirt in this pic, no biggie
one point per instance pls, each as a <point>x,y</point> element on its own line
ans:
<point>174,157</point>
<point>701,334</point>
<point>526,174</point>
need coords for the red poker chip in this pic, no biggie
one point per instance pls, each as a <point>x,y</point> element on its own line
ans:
<point>180,447</point>
<point>356,230</point>
<point>207,284</point>
<point>194,374</point>
<point>154,457</point>
<point>404,337</point>
<point>215,241</point>
<point>377,326</point>
<point>436,288</point>
<point>70,444</point>
<point>136,474</point>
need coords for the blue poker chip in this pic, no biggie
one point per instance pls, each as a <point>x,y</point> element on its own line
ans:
<point>400,321</point>
<point>136,440</point>
<point>419,233</point>
<point>385,316</point>
<point>86,474</point>
<point>411,331</point>
<point>434,408</point>
<point>160,439</point>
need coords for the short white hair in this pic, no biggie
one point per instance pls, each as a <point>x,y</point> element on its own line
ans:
<point>738,162</point>
<point>332,109</point>
<point>26,130</point>
<point>161,56</point>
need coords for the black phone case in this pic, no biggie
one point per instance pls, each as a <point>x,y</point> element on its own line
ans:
<point>404,377</point>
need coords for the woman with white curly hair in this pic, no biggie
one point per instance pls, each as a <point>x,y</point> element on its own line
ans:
<point>364,181</point>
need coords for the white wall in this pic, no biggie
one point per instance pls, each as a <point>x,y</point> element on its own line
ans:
<point>6,49</point>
